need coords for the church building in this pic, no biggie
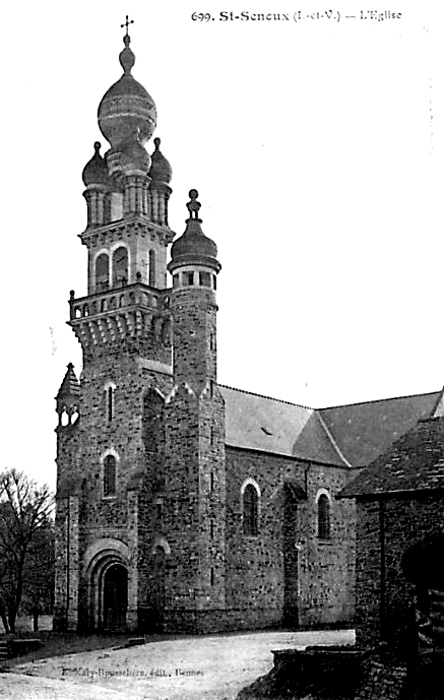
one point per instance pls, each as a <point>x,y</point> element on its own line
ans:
<point>182,504</point>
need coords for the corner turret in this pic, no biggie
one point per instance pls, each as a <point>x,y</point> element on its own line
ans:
<point>194,267</point>
<point>68,398</point>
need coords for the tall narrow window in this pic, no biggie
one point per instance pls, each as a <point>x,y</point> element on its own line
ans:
<point>102,272</point>
<point>323,517</point>
<point>120,266</point>
<point>109,476</point>
<point>110,403</point>
<point>250,510</point>
<point>211,576</point>
<point>152,268</point>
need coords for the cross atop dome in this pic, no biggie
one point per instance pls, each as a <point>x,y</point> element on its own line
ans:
<point>126,24</point>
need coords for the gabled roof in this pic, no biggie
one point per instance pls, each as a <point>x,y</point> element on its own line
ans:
<point>415,462</point>
<point>349,435</point>
<point>261,423</point>
<point>363,431</point>
<point>317,444</point>
<point>266,424</point>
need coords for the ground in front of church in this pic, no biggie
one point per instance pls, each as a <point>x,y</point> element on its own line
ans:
<point>188,668</point>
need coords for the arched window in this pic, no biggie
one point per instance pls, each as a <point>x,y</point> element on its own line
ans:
<point>109,476</point>
<point>102,271</point>
<point>120,266</point>
<point>250,510</point>
<point>323,517</point>
<point>152,268</point>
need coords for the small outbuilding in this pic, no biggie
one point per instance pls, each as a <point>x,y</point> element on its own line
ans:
<point>400,540</point>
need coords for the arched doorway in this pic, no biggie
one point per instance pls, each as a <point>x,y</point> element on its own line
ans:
<point>115,597</point>
<point>107,577</point>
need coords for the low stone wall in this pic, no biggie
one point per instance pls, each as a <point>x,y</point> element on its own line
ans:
<point>316,672</point>
<point>346,673</point>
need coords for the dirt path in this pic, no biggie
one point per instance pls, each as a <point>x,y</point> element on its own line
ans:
<point>198,668</point>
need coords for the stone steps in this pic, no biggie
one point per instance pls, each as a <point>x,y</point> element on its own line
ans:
<point>4,651</point>
<point>437,617</point>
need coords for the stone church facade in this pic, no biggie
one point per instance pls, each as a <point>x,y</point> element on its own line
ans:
<point>182,504</point>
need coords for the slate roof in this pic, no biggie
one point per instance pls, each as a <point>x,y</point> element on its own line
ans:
<point>261,423</point>
<point>363,431</point>
<point>349,435</point>
<point>415,462</point>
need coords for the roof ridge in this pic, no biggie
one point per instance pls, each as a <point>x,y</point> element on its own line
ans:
<point>437,403</point>
<point>332,440</point>
<point>387,398</point>
<point>262,396</point>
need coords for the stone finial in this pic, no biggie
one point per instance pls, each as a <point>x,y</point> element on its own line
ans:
<point>193,205</point>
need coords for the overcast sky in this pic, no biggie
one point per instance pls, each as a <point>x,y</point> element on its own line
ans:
<point>317,149</point>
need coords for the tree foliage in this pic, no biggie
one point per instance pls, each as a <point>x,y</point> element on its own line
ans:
<point>26,545</point>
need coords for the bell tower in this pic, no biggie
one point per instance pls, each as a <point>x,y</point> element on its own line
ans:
<point>127,232</point>
<point>123,324</point>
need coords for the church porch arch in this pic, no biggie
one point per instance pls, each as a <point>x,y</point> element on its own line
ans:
<point>109,592</point>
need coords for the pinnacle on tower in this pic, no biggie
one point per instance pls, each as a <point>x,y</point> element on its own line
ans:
<point>68,397</point>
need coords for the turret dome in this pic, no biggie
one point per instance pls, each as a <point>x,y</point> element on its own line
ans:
<point>160,167</point>
<point>95,171</point>
<point>194,246</point>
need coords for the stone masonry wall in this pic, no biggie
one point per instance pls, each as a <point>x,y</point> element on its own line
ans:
<point>406,521</point>
<point>194,519</point>
<point>327,565</point>
<point>81,461</point>
<point>256,567</point>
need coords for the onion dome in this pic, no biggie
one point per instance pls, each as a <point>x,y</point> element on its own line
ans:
<point>126,108</point>
<point>95,171</point>
<point>160,168</point>
<point>194,246</point>
<point>134,159</point>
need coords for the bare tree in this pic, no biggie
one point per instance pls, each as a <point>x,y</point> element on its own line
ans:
<point>25,515</point>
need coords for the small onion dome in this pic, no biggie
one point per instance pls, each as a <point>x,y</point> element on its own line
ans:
<point>126,108</point>
<point>160,169</point>
<point>134,158</point>
<point>193,246</point>
<point>95,171</point>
